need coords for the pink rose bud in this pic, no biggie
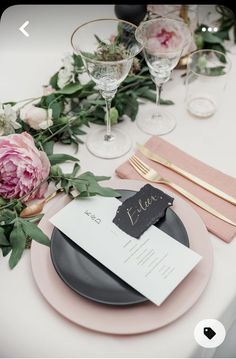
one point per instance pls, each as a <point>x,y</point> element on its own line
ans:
<point>48,90</point>
<point>37,118</point>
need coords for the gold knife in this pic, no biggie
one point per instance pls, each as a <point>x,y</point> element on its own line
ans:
<point>152,175</point>
<point>155,157</point>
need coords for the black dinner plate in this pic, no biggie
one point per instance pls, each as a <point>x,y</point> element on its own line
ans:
<point>89,278</point>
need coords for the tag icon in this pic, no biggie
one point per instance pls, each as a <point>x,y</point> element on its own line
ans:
<point>209,332</point>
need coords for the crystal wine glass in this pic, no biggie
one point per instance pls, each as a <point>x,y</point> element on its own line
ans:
<point>164,40</point>
<point>107,48</point>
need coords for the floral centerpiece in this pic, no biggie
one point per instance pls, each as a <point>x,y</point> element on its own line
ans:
<point>30,128</point>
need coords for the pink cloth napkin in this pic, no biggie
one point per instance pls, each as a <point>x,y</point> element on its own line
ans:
<point>218,179</point>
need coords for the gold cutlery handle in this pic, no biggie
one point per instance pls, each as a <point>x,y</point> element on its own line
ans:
<point>202,183</point>
<point>199,202</point>
<point>53,194</point>
<point>155,157</point>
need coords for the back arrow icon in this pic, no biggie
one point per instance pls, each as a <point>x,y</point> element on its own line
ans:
<point>22,28</point>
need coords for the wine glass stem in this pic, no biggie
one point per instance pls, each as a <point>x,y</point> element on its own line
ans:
<point>108,135</point>
<point>108,98</point>
<point>158,97</point>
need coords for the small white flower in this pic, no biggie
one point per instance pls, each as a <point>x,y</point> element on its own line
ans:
<point>8,119</point>
<point>64,78</point>
<point>68,62</point>
<point>37,118</point>
<point>66,73</point>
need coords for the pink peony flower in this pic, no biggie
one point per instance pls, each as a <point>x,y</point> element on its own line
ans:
<point>161,38</point>
<point>22,167</point>
<point>164,37</point>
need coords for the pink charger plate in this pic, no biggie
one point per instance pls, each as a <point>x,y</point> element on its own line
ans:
<point>134,319</point>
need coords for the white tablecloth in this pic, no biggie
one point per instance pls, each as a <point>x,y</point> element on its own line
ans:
<point>29,327</point>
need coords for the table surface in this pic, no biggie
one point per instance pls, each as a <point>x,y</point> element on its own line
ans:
<point>29,326</point>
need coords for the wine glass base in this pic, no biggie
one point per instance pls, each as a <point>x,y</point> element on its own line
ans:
<point>157,125</point>
<point>114,148</point>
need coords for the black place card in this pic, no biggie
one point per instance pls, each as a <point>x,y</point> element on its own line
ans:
<point>140,211</point>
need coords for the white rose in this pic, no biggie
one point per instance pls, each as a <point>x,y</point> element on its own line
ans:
<point>64,77</point>
<point>8,119</point>
<point>66,73</point>
<point>37,118</point>
<point>68,62</point>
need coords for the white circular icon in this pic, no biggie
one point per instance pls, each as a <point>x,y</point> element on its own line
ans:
<point>209,333</point>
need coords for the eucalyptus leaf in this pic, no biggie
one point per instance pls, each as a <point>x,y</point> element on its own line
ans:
<point>220,48</point>
<point>67,187</point>
<point>18,206</point>
<point>81,186</point>
<point>130,79</point>
<point>55,171</point>
<point>142,90</point>
<point>61,158</point>
<point>95,188</point>
<point>223,34</point>
<point>86,194</point>
<point>211,38</point>
<point>6,250</point>
<point>36,218</point>
<point>75,170</point>
<point>3,240</point>
<point>96,102</point>
<point>57,108</point>
<point>113,116</point>
<point>149,95</point>
<point>18,241</point>
<point>48,100</point>
<point>101,178</point>
<point>78,61</point>
<point>33,231</point>
<point>199,41</point>
<point>53,81</point>
<point>215,71</point>
<point>78,131</point>
<point>131,108</point>
<point>70,89</point>
<point>6,216</point>
<point>48,147</point>
<point>166,102</point>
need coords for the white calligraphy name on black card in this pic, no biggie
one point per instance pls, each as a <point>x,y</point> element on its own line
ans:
<point>140,211</point>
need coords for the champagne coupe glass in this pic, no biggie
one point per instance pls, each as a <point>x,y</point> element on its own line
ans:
<point>107,48</point>
<point>164,40</point>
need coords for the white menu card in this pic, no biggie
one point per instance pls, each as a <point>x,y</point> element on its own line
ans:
<point>154,264</point>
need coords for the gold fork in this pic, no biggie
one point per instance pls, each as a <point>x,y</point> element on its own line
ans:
<point>152,176</point>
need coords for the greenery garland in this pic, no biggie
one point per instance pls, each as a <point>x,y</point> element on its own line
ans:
<point>68,104</point>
